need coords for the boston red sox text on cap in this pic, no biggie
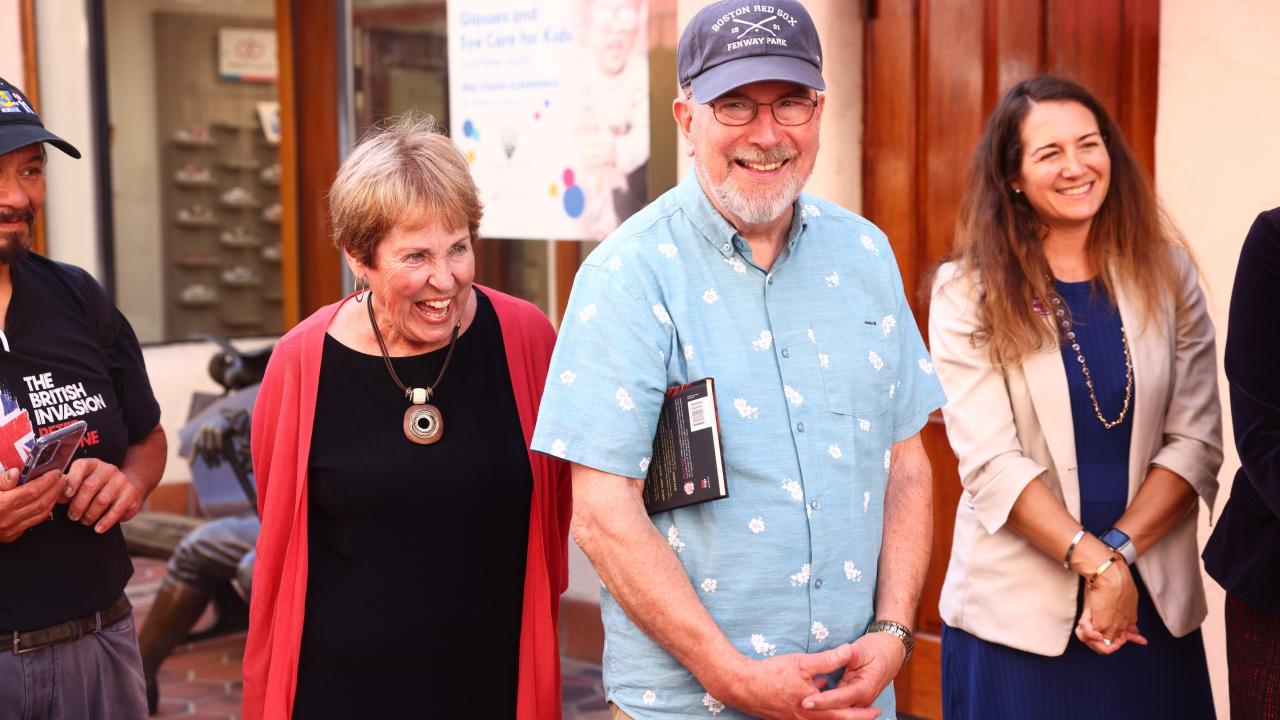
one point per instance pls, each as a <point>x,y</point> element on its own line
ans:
<point>732,43</point>
<point>20,126</point>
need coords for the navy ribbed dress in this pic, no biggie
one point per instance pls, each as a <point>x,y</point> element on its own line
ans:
<point>1169,678</point>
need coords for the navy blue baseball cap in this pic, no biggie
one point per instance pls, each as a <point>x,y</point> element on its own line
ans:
<point>732,43</point>
<point>20,126</point>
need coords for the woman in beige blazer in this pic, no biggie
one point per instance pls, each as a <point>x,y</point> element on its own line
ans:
<point>1071,337</point>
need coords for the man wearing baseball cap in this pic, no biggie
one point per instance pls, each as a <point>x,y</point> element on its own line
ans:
<point>794,596</point>
<point>66,354</point>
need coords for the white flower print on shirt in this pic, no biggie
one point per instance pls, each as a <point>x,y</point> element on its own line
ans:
<point>558,448</point>
<point>869,244</point>
<point>766,339</point>
<point>714,706</point>
<point>644,465</point>
<point>688,351</point>
<point>587,313</point>
<point>833,280</point>
<point>887,455</point>
<point>866,501</point>
<point>737,264</point>
<point>756,525</point>
<point>615,264</point>
<point>834,451</point>
<point>820,631</point>
<point>812,339</point>
<point>888,323</point>
<point>761,647</point>
<point>661,313</point>
<point>624,400</point>
<point>925,366</point>
<point>802,577</point>
<point>567,377</point>
<point>874,358</point>
<point>673,539</point>
<point>852,572</point>
<point>824,360</point>
<point>893,387</point>
<point>668,250</point>
<point>793,489</point>
<point>864,425</point>
<point>793,396</point>
<point>710,585</point>
<point>750,412</point>
<point>709,296</point>
<point>811,210</point>
<point>649,697</point>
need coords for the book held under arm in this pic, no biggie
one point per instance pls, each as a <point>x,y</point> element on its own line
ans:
<point>687,467</point>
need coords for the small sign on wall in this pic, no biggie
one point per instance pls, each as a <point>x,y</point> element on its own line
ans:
<point>247,55</point>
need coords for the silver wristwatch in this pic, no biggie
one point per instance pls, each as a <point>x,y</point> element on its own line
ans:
<point>898,630</point>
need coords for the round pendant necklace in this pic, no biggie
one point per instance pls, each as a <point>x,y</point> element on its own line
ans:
<point>422,421</point>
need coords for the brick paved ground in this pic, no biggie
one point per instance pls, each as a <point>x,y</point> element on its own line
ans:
<point>203,679</point>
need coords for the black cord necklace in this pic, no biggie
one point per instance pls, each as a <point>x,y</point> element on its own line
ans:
<point>422,421</point>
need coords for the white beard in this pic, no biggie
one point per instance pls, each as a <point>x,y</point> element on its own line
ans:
<point>757,209</point>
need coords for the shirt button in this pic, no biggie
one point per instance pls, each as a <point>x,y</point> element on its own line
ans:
<point>786,353</point>
<point>799,427</point>
<point>769,278</point>
<point>816,504</point>
<point>727,247</point>
<point>818,583</point>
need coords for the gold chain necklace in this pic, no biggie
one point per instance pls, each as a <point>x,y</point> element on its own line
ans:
<point>1088,379</point>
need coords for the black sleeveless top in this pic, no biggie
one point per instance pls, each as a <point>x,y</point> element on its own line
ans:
<point>416,552</point>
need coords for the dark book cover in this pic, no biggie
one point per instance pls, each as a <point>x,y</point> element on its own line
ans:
<point>687,466</point>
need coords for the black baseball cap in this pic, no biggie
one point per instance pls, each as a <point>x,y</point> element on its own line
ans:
<point>732,43</point>
<point>20,126</point>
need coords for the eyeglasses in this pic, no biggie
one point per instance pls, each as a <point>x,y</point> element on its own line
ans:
<point>791,111</point>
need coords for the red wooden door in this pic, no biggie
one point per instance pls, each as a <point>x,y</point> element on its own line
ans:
<point>934,71</point>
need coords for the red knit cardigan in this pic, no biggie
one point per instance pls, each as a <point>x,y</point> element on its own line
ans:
<point>281,439</point>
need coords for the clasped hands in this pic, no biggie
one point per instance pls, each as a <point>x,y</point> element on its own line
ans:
<point>99,493</point>
<point>791,686</point>
<point>1108,621</point>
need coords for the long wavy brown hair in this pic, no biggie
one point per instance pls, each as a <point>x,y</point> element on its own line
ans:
<point>999,236</point>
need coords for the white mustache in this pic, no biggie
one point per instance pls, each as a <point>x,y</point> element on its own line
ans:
<point>762,157</point>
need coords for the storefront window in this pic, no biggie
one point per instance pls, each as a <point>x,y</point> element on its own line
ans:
<point>194,132</point>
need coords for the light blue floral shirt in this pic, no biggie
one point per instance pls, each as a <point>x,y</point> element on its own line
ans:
<point>819,368</point>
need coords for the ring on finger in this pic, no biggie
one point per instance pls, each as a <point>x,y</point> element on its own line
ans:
<point>1106,642</point>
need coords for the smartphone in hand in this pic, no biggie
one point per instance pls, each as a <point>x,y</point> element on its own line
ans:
<point>53,451</point>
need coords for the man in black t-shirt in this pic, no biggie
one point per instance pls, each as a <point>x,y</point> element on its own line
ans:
<point>66,354</point>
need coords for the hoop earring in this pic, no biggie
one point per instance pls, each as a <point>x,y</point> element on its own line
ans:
<point>358,286</point>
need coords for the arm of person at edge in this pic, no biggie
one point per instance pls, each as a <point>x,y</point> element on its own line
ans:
<point>642,573</point>
<point>904,561</point>
<point>102,494</point>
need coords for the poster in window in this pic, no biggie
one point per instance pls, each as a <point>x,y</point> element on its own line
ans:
<point>550,104</point>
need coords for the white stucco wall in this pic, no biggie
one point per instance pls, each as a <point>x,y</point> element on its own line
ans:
<point>11,64</point>
<point>1217,154</point>
<point>62,60</point>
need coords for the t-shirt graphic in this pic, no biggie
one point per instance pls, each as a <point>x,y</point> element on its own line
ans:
<point>16,436</point>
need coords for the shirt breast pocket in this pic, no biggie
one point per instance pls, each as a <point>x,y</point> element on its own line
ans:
<point>859,366</point>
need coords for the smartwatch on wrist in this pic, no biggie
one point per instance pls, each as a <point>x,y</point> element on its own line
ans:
<point>1121,543</point>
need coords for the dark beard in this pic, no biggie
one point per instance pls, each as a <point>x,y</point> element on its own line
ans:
<point>14,246</point>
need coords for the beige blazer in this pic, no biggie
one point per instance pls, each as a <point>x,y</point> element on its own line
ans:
<point>1007,430</point>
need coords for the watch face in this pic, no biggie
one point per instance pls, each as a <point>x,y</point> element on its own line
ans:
<point>1114,539</point>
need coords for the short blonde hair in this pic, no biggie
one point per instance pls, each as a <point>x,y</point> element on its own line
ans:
<point>404,171</point>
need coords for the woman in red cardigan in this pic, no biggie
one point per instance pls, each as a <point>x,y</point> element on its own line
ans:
<point>413,550</point>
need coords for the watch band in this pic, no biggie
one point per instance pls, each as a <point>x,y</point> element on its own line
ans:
<point>898,630</point>
<point>1128,552</point>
